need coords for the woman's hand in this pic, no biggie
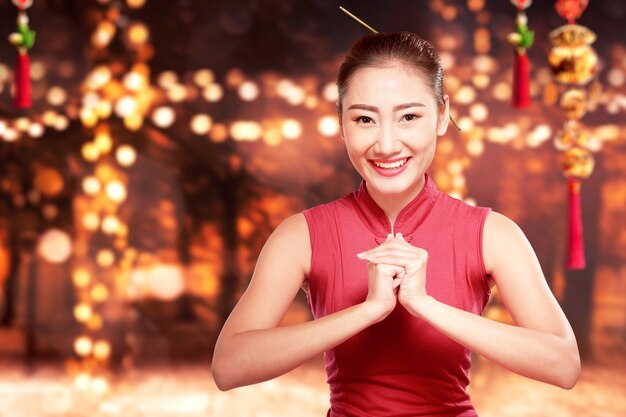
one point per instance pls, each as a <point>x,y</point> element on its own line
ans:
<point>383,283</point>
<point>395,251</point>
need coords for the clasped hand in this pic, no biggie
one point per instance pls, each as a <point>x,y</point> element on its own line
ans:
<point>396,272</point>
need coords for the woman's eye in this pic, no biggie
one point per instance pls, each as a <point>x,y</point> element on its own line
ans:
<point>410,117</point>
<point>364,119</point>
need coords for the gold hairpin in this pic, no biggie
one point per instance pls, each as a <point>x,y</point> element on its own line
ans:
<point>343,9</point>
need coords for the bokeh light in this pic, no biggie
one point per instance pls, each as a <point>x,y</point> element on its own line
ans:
<point>55,246</point>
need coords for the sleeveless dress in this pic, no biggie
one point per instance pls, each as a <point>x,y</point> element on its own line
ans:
<point>401,366</point>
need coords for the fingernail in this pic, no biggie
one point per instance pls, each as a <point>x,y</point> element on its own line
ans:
<point>361,255</point>
<point>398,234</point>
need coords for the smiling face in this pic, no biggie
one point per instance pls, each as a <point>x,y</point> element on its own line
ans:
<point>390,123</point>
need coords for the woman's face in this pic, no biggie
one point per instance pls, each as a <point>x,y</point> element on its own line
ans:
<point>390,123</point>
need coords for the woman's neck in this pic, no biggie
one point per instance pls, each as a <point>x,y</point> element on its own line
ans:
<point>392,204</point>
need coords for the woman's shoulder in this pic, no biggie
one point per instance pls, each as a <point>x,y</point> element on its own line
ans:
<point>501,237</point>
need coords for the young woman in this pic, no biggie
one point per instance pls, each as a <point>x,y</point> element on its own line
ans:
<point>397,273</point>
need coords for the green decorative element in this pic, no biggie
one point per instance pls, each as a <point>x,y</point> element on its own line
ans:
<point>526,36</point>
<point>26,37</point>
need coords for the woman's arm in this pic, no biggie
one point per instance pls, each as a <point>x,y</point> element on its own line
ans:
<point>252,348</point>
<point>541,345</point>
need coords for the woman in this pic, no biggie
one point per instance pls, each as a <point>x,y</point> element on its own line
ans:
<point>396,273</point>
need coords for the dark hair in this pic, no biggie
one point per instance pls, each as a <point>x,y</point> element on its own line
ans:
<point>381,49</point>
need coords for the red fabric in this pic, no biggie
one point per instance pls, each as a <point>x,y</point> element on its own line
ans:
<point>575,245</point>
<point>400,366</point>
<point>23,96</point>
<point>521,81</point>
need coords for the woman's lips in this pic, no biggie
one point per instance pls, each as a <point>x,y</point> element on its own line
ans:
<point>389,167</point>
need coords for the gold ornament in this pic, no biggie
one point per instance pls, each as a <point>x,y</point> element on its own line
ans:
<point>572,59</point>
<point>577,162</point>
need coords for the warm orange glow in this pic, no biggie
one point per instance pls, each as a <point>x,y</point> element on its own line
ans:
<point>177,93</point>
<point>245,131</point>
<point>99,293</point>
<point>163,117</point>
<point>95,322</point>
<point>90,152</point>
<point>91,221</point>
<point>56,96</point>
<point>102,349</point>
<point>272,136</point>
<point>136,4</point>
<point>105,258</point>
<point>126,155</point>
<point>201,124</point>
<point>103,34</point>
<point>48,181</point>
<point>248,91</point>
<point>330,92</point>
<point>22,124</point>
<point>479,112</point>
<point>88,117</point>
<point>99,385</point>
<point>465,95</point>
<point>134,81</point>
<point>81,277</point>
<point>126,106</point>
<point>167,79</point>
<point>83,345</point>
<point>328,126</point>
<point>475,147</point>
<point>116,191</point>
<point>291,129</point>
<point>138,34</point>
<point>55,246</point>
<point>219,133</point>
<point>133,122</point>
<point>36,130</point>
<point>82,312</point>
<point>203,78</point>
<point>234,77</point>
<point>103,142</point>
<point>91,185</point>
<point>103,109</point>
<point>82,381</point>
<point>213,93</point>
<point>110,224</point>
<point>99,77</point>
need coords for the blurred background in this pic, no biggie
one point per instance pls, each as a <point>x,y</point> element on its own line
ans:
<point>167,139</point>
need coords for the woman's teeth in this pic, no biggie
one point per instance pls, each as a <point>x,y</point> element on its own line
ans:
<point>391,165</point>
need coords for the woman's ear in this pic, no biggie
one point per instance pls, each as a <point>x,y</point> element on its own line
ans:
<point>443,116</point>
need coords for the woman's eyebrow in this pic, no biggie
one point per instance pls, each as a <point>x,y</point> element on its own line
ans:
<point>364,107</point>
<point>407,105</point>
<point>376,109</point>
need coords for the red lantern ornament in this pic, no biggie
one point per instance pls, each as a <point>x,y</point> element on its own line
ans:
<point>23,39</point>
<point>521,39</point>
<point>571,10</point>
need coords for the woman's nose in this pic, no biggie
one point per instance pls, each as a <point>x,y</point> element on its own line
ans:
<point>387,142</point>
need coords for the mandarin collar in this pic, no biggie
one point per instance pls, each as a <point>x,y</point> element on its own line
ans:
<point>409,218</point>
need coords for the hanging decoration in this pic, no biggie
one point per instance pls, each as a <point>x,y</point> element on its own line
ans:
<point>521,39</point>
<point>574,64</point>
<point>23,39</point>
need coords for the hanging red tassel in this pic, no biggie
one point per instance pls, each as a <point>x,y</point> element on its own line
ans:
<point>521,81</point>
<point>23,91</point>
<point>521,39</point>
<point>23,39</point>
<point>576,248</point>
